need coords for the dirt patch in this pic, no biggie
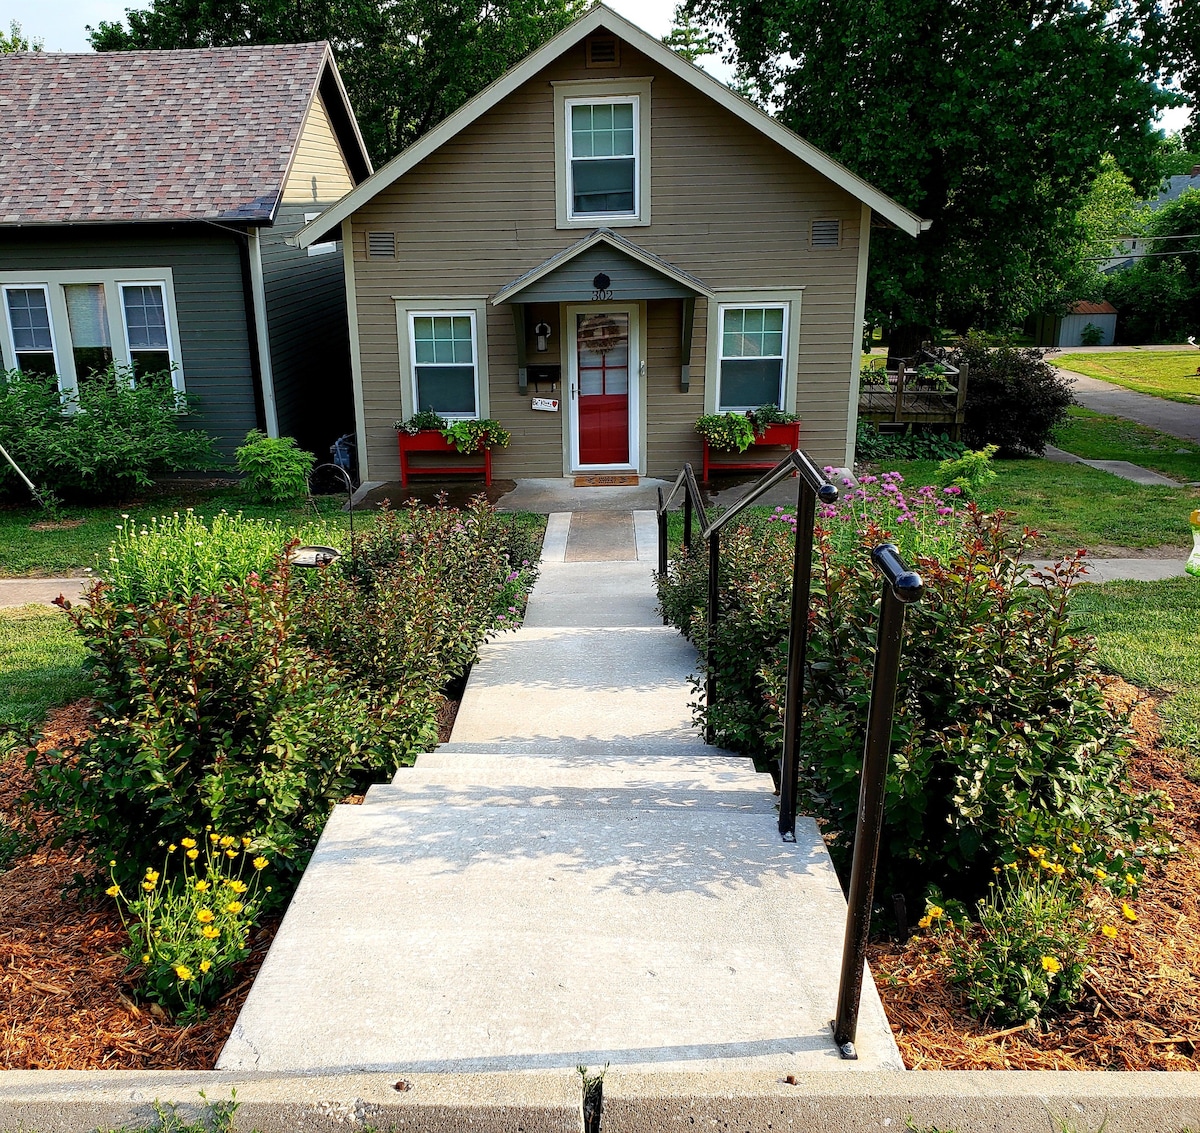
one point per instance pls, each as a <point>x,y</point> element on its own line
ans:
<point>56,525</point>
<point>1142,1007</point>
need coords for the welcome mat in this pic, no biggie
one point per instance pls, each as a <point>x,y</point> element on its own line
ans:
<point>609,480</point>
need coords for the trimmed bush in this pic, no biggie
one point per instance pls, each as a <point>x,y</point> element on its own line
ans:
<point>274,470</point>
<point>105,442</point>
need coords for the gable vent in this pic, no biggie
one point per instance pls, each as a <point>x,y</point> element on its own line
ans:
<point>826,233</point>
<point>381,245</point>
<point>602,51</point>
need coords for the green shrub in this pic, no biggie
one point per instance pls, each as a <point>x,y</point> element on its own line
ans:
<point>871,445</point>
<point>103,443</point>
<point>275,470</point>
<point>970,472</point>
<point>188,933</point>
<point>1015,399</point>
<point>728,431</point>
<point>1091,335</point>
<point>471,436</point>
<point>1002,737</point>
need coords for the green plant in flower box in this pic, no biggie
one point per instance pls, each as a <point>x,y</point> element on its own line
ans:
<point>471,436</point>
<point>728,431</point>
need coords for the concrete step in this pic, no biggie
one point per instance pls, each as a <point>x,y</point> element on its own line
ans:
<point>690,745</point>
<point>593,594</point>
<point>453,939</point>
<point>553,770</point>
<point>417,789</point>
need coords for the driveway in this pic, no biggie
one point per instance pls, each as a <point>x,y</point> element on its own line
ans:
<point>1171,417</point>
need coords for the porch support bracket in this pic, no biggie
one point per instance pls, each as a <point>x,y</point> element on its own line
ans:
<point>518,314</point>
<point>685,343</point>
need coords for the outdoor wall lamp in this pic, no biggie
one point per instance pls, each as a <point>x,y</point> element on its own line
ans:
<point>542,332</point>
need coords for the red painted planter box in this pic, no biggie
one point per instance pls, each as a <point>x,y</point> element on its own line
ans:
<point>433,441</point>
<point>787,435</point>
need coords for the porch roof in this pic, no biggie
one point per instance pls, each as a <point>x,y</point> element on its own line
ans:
<point>634,273</point>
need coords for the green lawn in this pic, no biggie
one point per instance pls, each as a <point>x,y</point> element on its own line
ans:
<point>1097,437</point>
<point>1072,505</point>
<point>1162,373</point>
<point>40,665</point>
<point>1149,633</point>
<point>68,548</point>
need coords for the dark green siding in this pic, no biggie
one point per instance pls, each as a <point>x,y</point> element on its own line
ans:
<point>206,268</point>
<point>310,342</point>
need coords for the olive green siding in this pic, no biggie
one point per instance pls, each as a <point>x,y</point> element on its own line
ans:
<point>729,206</point>
<point>206,267</point>
<point>574,281</point>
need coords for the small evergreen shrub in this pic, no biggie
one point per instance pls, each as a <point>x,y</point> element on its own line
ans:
<point>970,472</point>
<point>102,443</point>
<point>1091,335</point>
<point>274,470</point>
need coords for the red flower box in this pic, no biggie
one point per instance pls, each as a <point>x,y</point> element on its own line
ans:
<point>431,440</point>
<point>787,435</point>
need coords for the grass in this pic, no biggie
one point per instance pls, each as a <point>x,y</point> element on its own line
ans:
<point>1072,505</point>
<point>1171,374</point>
<point>41,663</point>
<point>1149,633</point>
<point>1097,437</point>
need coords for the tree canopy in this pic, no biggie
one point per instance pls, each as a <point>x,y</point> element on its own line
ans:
<point>406,63</point>
<point>17,40</point>
<point>991,119</point>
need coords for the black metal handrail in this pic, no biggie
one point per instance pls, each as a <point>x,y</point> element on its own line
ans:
<point>693,500</point>
<point>901,587</point>
<point>812,487</point>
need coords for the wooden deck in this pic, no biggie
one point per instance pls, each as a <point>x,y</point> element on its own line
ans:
<point>902,398</point>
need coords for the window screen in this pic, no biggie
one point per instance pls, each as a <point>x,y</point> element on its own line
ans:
<point>603,158</point>
<point>29,321</point>
<point>752,352</point>
<point>87,314</point>
<point>443,347</point>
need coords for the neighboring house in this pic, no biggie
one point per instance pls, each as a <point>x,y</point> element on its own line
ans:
<point>1134,248</point>
<point>609,227</point>
<point>145,200</point>
<point>1068,329</point>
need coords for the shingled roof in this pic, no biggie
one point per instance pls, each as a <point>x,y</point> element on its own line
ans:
<point>154,135</point>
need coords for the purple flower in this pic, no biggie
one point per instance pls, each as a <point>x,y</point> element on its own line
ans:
<point>953,490</point>
<point>928,490</point>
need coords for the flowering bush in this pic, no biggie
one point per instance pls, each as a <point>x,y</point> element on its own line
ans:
<point>188,933</point>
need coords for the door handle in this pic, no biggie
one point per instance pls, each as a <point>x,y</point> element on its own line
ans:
<point>572,391</point>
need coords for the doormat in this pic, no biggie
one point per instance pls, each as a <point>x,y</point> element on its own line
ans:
<point>611,480</point>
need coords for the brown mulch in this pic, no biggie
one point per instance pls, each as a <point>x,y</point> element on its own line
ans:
<point>1141,1010</point>
<point>65,1003</point>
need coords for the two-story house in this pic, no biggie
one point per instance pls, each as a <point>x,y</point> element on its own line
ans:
<point>609,228</point>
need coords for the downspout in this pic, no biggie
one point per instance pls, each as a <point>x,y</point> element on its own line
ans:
<point>860,314</point>
<point>258,294</point>
<point>356,377</point>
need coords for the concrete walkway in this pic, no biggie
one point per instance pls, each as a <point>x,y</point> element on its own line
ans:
<point>574,878</point>
<point>41,591</point>
<point>1122,468</point>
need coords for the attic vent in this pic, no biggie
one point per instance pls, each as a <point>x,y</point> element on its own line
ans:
<point>381,245</point>
<point>602,51</point>
<point>826,233</point>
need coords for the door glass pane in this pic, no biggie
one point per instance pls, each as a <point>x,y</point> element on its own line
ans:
<point>87,315</point>
<point>29,318</point>
<point>603,186</point>
<point>603,342</point>
<point>145,316</point>
<point>446,389</point>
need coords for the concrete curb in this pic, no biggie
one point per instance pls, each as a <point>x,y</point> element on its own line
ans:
<point>554,542</point>
<point>549,1102</point>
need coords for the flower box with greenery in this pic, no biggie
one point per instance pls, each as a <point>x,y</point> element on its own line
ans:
<point>428,432</point>
<point>736,432</point>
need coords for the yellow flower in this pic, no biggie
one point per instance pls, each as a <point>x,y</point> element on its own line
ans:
<point>151,875</point>
<point>202,886</point>
<point>1076,848</point>
<point>936,911</point>
<point>1109,930</point>
<point>234,907</point>
<point>210,932</point>
<point>227,841</point>
<point>1046,865</point>
<point>1130,879</point>
<point>113,891</point>
<point>245,843</point>
<point>231,853</point>
<point>172,848</point>
<point>925,922</point>
<point>237,886</point>
<point>147,885</point>
<point>145,957</point>
<point>260,863</point>
<point>205,965</point>
<point>1037,852</point>
<point>113,862</point>
<point>188,843</point>
<point>183,972</point>
<point>205,915</point>
<point>1058,869</point>
<point>214,838</point>
<point>193,854</point>
<point>1100,874</point>
<point>1051,965</point>
<point>1128,913</point>
<point>1012,865</point>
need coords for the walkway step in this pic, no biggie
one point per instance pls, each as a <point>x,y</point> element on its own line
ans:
<point>593,594</point>
<point>685,745</point>
<point>415,790</point>
<point>453,939</point>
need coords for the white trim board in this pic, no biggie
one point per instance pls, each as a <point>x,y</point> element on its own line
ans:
<point>596,17</point>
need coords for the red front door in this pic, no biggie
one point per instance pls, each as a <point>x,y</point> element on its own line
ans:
<point>602,357</point>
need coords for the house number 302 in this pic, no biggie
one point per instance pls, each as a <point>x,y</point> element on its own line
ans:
<point>602,296</point>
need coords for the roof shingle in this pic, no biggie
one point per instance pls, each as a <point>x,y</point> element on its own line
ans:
<point>151,135</point>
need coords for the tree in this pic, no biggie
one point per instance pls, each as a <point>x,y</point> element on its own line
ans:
<point>406,64</point>
<point>689,38</point>
<point>990,119</point>
<point>16,40</point>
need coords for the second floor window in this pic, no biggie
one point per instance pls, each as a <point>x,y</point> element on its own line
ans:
<point>602,156</point>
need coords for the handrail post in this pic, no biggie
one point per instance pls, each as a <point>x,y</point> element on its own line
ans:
<point>714,614</point>
<point>901,587</point>
<point>687,519</point>
<point>662,537</point>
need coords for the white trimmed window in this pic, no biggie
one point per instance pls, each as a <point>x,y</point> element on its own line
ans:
<point>753,353</point>
<point>73,325</point>
<point>445,367</point>
<point>602,157</point>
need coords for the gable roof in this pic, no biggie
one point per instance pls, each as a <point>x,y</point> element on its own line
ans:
<point>208,134</point>
<point>614,240</point>
<point>598,16</point>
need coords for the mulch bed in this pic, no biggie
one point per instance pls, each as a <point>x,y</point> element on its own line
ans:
<point>1142,1007</point>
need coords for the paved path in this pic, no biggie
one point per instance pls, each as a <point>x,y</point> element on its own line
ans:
<point>43,591</point>
<point>575,878</point>
<point>1122,468</point>
<point>1171,417</point>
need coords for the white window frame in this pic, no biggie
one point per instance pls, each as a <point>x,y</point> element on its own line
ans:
<point>790,301</point>
<point>593,92</point>
<point>10,362</point>
<point>569,105</point>
<point>474,307</point>
<point>326,246</point>
<point>53,283</point>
